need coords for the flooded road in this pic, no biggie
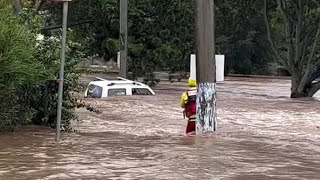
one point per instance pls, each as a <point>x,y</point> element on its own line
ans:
<point>262,134</point>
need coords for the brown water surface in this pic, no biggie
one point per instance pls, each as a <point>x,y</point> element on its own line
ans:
<point>262,134</point>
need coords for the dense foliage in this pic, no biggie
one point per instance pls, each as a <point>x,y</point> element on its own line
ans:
<point>29,70</point>
<point>19,69</point>
<point>161,33</point>
<point>256,36</point>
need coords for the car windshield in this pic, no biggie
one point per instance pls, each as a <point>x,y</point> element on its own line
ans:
<point>94,91</point>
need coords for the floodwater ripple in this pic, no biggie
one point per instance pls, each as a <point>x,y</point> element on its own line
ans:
<point>262,134</point>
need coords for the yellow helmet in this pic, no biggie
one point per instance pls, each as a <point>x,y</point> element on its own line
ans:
<point>192,82</point>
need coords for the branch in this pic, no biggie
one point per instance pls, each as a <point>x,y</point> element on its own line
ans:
<point>309,68</point>
<point>284,12</point>
<point>314,48</point>
<point>307,40</point>
<point>290,42</point>
<point>69,25</point>
<point>299,30</point>
<point>303,53</point>
<point>295,5</point>
<point>288,30</point>
<point>315,73</point>
<point>273,46</point>
<point>309,34</point>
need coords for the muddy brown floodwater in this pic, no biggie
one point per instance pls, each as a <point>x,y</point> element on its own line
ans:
<point>262,134</point>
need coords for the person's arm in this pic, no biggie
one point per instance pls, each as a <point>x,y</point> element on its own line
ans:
<point>183,99</point>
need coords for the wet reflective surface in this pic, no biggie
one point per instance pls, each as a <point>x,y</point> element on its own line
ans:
<point>262,134</point>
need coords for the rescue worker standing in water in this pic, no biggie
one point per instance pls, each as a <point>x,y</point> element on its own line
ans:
<point>188,102</point>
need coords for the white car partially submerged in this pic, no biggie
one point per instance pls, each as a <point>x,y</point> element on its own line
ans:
<point>122,87</point>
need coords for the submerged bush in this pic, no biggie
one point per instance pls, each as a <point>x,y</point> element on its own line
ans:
<point>18,69</point>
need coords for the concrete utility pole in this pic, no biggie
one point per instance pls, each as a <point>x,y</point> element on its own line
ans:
<point>123,38</point>
<point>205,67</point>
<point>61,73</point>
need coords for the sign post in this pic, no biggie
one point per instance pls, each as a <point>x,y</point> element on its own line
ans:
<point>123,38</point>
<point>62,63</point>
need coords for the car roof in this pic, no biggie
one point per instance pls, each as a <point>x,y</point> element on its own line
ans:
<point>123,83</point>
<point>120,83</point>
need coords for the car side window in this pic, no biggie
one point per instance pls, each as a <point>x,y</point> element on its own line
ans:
<point>117,92</point>
<point>141,91</point>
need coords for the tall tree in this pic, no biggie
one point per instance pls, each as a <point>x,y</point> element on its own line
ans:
<point>241,36</point>
<point>294,34</point>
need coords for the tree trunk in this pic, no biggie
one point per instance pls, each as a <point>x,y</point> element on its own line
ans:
<point>297,94</point>
<point>308,89</point>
